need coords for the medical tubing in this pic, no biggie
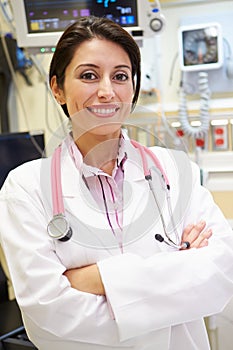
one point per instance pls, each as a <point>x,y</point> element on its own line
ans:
<point>160,213</point>
<point>150,182</point>
<point>58,205</point>
<point>57,198</point>
<point>161,115</point>
<point>171,214</point>
<point>144,162</point>
<point>143,150</point>
<point>183,245</point>
<point>54,185</point>
<point>157,204</point>
<point>147,173</point>
<point>196,132</point>
<point>158,165</point>
<point>21,100</point>
<point>60,114</point>
<point>160,238</point>
<point>7,13</point>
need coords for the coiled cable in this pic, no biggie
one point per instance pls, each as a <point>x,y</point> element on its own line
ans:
<point>196,132</point>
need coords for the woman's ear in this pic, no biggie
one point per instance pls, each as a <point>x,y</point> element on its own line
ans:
<point>57,92</point>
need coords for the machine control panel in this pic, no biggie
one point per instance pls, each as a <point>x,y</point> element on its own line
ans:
<point>152,20</point>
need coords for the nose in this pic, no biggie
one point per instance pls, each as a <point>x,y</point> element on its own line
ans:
<point>105,89</point>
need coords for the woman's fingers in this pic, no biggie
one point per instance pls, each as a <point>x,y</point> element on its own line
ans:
<point>202,240</point>
<point>204,243</point>
<point>191,232</point>
<point>195,235</point>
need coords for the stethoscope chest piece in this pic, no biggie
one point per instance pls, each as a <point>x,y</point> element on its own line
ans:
<point>58,228</point>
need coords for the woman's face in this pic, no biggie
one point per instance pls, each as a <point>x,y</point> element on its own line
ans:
<point>98,88</point>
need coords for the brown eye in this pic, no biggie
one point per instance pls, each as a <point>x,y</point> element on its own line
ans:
<point>121,77</point>
<point>88,76</point>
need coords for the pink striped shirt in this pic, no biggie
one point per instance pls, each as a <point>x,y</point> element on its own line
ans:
<point>106,190</point>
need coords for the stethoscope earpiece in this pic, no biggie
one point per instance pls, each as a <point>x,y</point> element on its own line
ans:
<point>59,228</point>
<point>183,245</point>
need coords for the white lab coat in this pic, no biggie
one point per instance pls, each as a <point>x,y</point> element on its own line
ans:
<point>157,296</point>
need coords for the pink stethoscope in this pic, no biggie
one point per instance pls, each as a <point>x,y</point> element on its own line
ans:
<point>58,228</point>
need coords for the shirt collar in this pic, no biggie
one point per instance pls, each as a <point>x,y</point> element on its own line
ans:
<point>88,170</point>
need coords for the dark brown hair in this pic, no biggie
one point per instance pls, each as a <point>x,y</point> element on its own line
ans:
<point>87,28</point>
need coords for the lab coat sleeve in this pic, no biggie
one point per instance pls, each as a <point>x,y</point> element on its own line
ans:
<point>50,307</point>
<point>173,287</point>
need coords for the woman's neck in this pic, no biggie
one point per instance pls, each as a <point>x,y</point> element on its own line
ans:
<point>99,151</point>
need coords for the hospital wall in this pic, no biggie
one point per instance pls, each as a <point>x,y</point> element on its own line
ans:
<point>217,164</point>
<point>33,108</point>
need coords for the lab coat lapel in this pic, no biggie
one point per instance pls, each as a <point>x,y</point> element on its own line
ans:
<point>134,189</point>
<point>138,211</point>
<point>83,212</point>
<point>69,174</point>
<point>141,215</point>
<point>136,196</point>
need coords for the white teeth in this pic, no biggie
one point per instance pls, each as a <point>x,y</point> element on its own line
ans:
<point>103,110</point>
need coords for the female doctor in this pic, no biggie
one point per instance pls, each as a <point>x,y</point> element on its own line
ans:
<point>109,245</point>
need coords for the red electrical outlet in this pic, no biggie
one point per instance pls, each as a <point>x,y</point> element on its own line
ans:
<point>220,137</point>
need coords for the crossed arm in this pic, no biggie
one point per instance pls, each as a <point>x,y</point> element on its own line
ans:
<point>88,279</point>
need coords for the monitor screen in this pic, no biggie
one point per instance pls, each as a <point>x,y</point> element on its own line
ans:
<point>200,46</point>
<point>18,148</point>
<point>40,23</point>
<point>55,16</point>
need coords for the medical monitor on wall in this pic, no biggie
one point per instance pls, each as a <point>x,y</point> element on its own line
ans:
<point>200,46</point>
<point>40,23</point>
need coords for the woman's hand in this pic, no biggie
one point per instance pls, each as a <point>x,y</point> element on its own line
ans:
<point>86,279</point>
<point>196,235</point>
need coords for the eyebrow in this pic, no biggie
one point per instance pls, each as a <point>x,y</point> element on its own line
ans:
<point>91,65</point>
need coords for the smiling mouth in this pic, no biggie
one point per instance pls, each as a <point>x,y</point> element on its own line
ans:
<point>104,111</point>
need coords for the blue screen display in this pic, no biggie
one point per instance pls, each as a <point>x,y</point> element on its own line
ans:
<point>55,16</point>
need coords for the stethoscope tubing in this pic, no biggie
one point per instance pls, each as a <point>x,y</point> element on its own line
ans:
<point>143,150</point>
<point>58,204</point>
